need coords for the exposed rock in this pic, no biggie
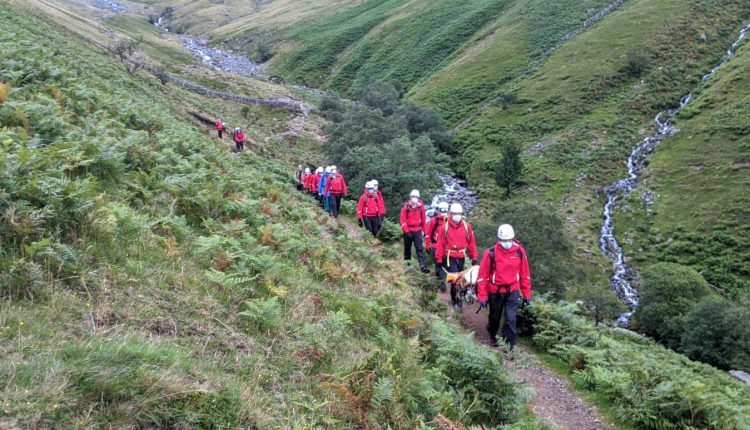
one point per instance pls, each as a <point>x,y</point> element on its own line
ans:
<point>742,376</point>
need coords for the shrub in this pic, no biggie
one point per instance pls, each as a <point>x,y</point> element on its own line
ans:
<point>636,62</point>
<point>265,314</point>
<point>264,53</point>
<point>669,292</point>
<point>717,332</point>
<point>510,167</point>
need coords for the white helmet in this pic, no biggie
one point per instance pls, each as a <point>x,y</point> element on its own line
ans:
<point>456,208</point>
<point>414,193</point>
<point>368,184</point>
<point>237,129</point>
<point>320,170</point>
<point>328,169</point>
<point>443,207</point>
<point>307,170</point>
<point>505,232</point>
<point>374,183</point>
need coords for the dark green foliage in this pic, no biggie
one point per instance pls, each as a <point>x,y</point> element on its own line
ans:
<point>509,168</point>
<point>385,140</point>
<point>717,332</point>
<point>601,304</point>
<point>541,231</point>
<point>263,53</point>
<point>636,62</point>
<point>649,386</point>
<point>668,293</point>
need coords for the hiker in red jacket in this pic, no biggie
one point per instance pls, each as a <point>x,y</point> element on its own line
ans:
<point>315,185</point>
<point>455,242</point>
<point>335,190</point>
<point>412,221</point>
<point>504,281</point>
<point>306,179</point>
<point>375,184</point>
<point>369,208</point>
<point>239,140</point>
<point>433,228</point>
<point>220,126</point>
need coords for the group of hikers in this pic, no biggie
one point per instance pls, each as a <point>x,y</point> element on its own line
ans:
<point>238,136</point>
<point>503,283</point>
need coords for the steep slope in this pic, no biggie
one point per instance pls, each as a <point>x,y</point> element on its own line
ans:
<point>697,210</point>
<point>152,279</point>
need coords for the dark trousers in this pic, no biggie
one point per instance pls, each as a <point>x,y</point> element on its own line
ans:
<point>416,238</point>
<point>334,204</point>
<point>508,302</point>
<point>239,146</point>
<point>221,134</point>
<point>455,265</point>
<point>319,196</point>
<point>372,224</point>
<point>439,273</point>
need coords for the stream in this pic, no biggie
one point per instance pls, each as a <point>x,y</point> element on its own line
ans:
<point>455,190</point>
<point>622,279</point>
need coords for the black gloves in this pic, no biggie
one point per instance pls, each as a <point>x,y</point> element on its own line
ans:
<point>359,221</point>
<point>473,262</point>
<point>525,302</point>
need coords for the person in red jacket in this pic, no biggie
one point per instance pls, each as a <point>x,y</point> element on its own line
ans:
<point>433,228</point>
<point>377,191</point>
<point>306,179</point>
<point>369,208</point>
<point>315,182</point>
<point>220,126</point>
<point>412,221</point>
<point>455,242</point>
<point>335,190</point>
<point>504,280</point>
<point>239,139</point>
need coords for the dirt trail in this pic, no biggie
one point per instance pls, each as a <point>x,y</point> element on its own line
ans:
<point>553,400</point>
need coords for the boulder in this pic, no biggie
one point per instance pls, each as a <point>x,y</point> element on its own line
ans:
<point>742,376</point>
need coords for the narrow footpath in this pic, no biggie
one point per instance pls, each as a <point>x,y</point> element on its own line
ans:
<point>553,400</point>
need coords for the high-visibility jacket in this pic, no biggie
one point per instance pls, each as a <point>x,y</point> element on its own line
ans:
<point>370,205</point>
<point>315,182</point>
<point>239,137</point>
<point>433,228</point>
<point>336,185</point>
<point>508,273</point>
<point>220,126</point>
<point>456,240</point>
<point>412,216</point>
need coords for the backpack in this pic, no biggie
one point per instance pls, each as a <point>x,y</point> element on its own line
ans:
<point>466,229</point>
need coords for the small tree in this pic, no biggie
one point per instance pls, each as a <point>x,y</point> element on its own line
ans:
<point>636,62</point>
<point>509,168</point>
<point>126,50</point>
<point>601,304</point>
<point>264,53</point>
<point>717,332</point>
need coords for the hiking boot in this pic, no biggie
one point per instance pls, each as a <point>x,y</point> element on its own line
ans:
<point>425,270</point>
<point>493,342</point>
<point>457,307</point>
<point>441,287</point>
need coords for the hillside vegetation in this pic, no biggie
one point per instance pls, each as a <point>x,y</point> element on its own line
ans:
<point>151,278</point>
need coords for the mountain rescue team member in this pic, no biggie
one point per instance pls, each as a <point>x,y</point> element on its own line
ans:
<point>239,140</point>
<point>322,187</point>
<point>504,280</point>
<point>369,209</point>
<point>323,182</point>
<point>335,189</point>
<point>298,177</point>
<point>306,179</point>
<point>309,184</point>
<point>316,185</point>
<point>381,215</point>
<point>434,227</point>
<point>220,126</point>
<point>412,221</point>
<point>455,242</point>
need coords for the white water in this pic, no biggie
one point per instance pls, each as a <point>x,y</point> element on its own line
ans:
<point>621,280</point>
<point>455,191</point>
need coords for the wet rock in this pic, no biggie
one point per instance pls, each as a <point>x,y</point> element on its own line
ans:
<point>455,190</point>
<point>740,375</point>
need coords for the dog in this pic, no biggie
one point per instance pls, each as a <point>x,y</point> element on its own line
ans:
<point>465,282</point>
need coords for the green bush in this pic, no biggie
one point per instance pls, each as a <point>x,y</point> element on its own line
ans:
<point>717,332</point>
<point>649,386</point>
<point>668,293</point>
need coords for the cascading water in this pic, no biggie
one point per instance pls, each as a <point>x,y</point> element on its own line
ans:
<point>455,191</point>
<point>621,279</point>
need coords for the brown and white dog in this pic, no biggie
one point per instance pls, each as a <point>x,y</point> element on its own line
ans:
<point>464,281</point>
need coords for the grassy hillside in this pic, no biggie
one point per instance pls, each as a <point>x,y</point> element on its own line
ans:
<point>151,278</point>
<point>700,212</point>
